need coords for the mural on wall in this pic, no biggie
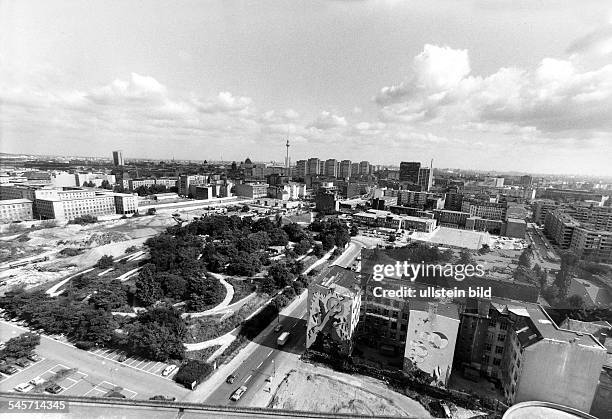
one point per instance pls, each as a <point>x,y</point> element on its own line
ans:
<point>330,317</point>
<point>430,344</point>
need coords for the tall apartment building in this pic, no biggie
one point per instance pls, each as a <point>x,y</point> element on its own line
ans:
<point>409,172</point>
<point>313,166</point>
<point>300,168</point>
<point>15,210</point>
<point>586,230</point>
<point>331,168</point>
<point>354,169</point>
<point>344,169</point>
<point>453,201</point>
<point>118,158</point>
<point>364,168</point>
<point>541,208</point>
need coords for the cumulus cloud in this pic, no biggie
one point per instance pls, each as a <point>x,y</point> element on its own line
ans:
<point>327,120</point>
<point>224,102</point>
<point>556,96</point>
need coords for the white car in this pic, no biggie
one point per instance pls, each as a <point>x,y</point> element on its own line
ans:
<point>37,381</point>
<point>168,370</point>
<point>236,395</point>
<point>24,387</point>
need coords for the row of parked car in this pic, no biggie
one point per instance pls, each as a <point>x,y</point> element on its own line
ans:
<point>9,369</point>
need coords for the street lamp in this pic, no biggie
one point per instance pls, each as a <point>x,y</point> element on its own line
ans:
<point>273,369</point>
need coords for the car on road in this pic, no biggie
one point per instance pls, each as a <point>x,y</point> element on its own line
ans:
<point>37,381</point>
<point>54,388</point>
<point>34,357</point>
<point>278,328</point>
<point>23,387</point>
<point>168,370</point>
<point>121,358</point>
<point>8,369</point>
<point>22,362</point>
<point>236,395</point>
<point>230,379</point>
<point>163,398</point>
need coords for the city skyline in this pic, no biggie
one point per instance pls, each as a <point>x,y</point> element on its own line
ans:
<point>383,81</point>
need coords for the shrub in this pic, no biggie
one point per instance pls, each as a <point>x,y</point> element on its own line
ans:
<point>193,371</point>
<point>85,345</point>
<point>85,219</point>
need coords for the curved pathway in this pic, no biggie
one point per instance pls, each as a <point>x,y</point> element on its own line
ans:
<point>229,295</point>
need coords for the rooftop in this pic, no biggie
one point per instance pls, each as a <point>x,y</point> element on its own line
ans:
<point>15,201</point>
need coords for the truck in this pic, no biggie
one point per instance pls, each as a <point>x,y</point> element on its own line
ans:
<point>282,339</point>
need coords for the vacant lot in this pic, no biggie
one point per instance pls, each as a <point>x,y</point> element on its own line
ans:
<point>330,395</point>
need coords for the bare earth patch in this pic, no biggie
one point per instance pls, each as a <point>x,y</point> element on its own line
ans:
<point>305,391</point>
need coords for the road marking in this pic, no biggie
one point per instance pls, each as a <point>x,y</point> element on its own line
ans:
<point>247,379</point>
<point>260,364</point>
<point>270,353</point>
<point>294,324</point>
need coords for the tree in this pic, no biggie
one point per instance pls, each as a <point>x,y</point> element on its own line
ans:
<point>193,371</point>
<point>106,185</point>
<point>280,274</point>
<point>525,258</point>
<point>563,281</point>
<point>148,289</point>
<point>575,302</point>
<point>110,297</point>
<point>465,257</point>
<point>354,231</point>
<point>105,262</point>
<point>20,346</point>
<point>245,208</point>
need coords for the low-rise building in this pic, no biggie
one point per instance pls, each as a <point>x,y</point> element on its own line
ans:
<point>251,190</point>
<point>15,210</point>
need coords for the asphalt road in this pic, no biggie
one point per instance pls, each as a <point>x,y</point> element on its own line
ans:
<point>96,368</point>
<point>261,364</point>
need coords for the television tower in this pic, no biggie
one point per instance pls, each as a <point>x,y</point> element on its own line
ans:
<point>287,158</point>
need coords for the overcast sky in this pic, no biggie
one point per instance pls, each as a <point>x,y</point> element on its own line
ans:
<point>487,84</point>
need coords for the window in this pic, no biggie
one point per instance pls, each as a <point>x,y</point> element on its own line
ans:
<point>486,359</point>
<point>503,326</point>
<point>496,361</point>
<point>499,349</point>
<point>501,337</point>
<point>488,347</point>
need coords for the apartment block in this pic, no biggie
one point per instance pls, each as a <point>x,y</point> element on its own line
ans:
<point>15,210</point>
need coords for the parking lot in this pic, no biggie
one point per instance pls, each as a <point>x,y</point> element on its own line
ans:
<point>72,381</point>
<point>141,364</point>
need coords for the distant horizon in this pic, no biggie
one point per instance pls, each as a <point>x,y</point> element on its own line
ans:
<point>396,166</point>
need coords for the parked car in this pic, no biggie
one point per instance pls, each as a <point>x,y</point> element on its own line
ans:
<point>8,369</point>
<point>22,362</point>
<point>236,395</point>
<point>168,370</point>
<point>37,381</point>
<point>230,379</point>
<point>54,388</point>
<point>163,398</point>
<point>34,357</point>
<point>121,358</point>
<point>23,387</point>
<point>278,328</point>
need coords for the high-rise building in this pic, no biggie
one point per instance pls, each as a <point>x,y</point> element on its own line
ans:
<point>425,180</point>
<point>118,158</point>
<point>300,168</point>
<point>354,169</point>
<point>364,168</point>
<point>313,166</point>
<point>344,169</point>
<point>409,171</point>
<point>331,167</point>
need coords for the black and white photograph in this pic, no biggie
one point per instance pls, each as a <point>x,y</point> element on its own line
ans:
<point>306,209</point>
